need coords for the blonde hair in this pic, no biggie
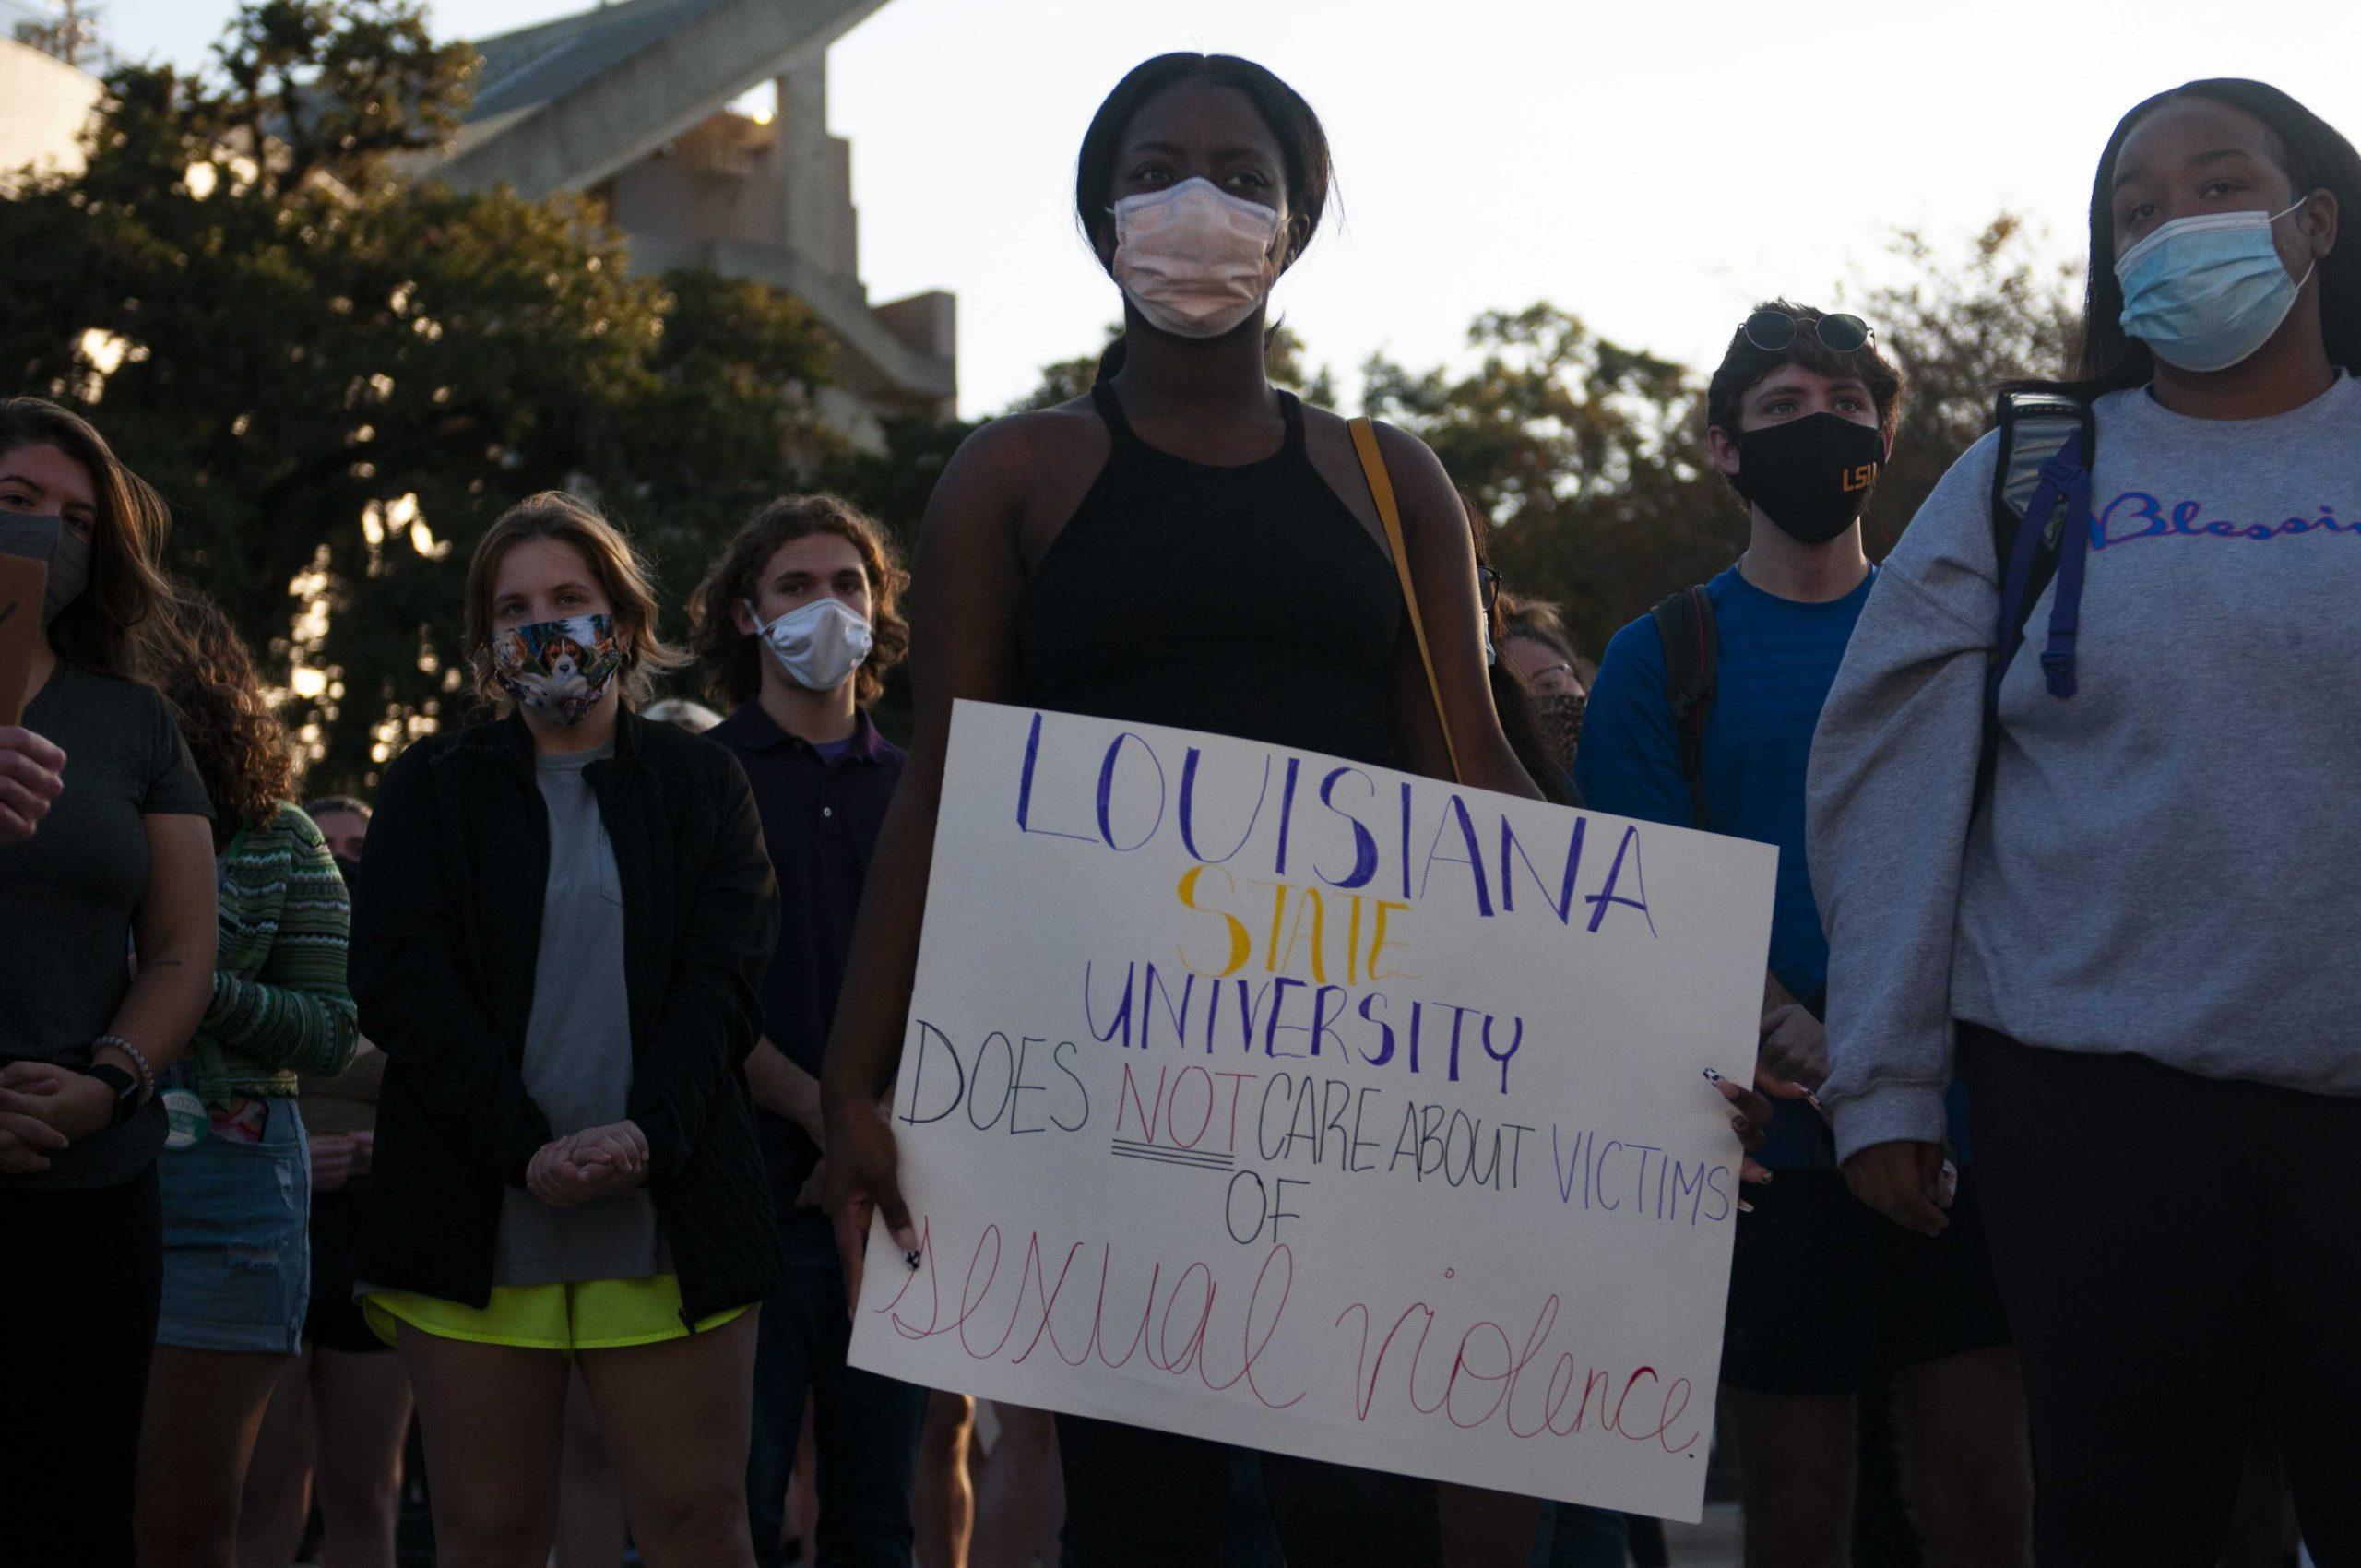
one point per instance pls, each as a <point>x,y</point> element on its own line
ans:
<point>631,595</point>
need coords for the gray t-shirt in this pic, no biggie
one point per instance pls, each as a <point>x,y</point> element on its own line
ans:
<point>2166,868</point>
<point>67,894</point>
<point>578,1048</point>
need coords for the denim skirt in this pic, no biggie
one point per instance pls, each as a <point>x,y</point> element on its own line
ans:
<point>237,1201</point>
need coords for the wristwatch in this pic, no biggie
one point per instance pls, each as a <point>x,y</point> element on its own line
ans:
<point>126,1091</point>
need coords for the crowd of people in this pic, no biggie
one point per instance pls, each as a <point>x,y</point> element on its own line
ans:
<point>530,1106</point>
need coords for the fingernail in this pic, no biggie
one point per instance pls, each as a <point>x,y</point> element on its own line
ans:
<point>1813,1101</point>
<point>1714,1077</point>
<point>1744,1207</point>
<point>911,1257</point>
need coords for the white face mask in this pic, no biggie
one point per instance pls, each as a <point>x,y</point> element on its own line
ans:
<point>1195,259</point>
<point>819,645</point>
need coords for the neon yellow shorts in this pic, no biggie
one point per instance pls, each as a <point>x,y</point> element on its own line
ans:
<point>592,1314</point>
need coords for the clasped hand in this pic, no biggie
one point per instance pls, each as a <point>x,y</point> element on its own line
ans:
<point>44,1107</point>
<point>597,1162</point>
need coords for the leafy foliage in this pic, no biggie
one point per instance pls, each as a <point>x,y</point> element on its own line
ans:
<point>338,376</point>
<point>1589,456</point>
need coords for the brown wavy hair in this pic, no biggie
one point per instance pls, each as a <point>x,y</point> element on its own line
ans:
<point>730,659</point>
<point>631,591</point>
<point>116,626</point>
<point>243,752</point>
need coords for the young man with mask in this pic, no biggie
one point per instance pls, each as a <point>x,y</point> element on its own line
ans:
<point>1828,1300</point>
<point>794,628</point>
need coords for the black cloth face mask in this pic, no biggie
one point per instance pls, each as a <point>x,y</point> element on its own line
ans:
<point>1810,476</point>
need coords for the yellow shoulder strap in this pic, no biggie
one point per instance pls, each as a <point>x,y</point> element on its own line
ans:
<point>1381,489</point>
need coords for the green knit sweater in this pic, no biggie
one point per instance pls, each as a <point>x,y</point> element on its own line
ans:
<point>279,1005</point>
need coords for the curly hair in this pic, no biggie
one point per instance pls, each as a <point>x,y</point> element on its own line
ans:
<point>631,592</point>
<point>730,660</point>
<point>243,752</point>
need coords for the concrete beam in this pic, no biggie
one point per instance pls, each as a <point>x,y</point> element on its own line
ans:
<point>639,104</point>
<point>879,360</point>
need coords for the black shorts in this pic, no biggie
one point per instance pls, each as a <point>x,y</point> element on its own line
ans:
<point>335,1320</point>
<point>1826,1295</point>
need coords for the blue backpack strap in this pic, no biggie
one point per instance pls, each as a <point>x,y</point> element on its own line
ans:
<point>2041,509</point>
<point>1692,660</point>
<point>2074,553</point>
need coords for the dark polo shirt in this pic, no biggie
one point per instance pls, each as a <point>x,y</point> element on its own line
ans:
<point>821,816</point>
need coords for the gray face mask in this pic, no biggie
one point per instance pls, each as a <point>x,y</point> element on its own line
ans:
<point>50,541</point>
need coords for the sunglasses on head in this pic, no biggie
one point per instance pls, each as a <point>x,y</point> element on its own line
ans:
<point>1774,331</point>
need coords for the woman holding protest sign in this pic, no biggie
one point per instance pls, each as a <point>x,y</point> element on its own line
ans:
<point>1186,545</point>
<point>561,919</point>
<point>105,847</point>
<point>2116,914</point>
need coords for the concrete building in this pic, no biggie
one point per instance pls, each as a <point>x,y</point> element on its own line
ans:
<point>45,103</point>
<point>629,103</point>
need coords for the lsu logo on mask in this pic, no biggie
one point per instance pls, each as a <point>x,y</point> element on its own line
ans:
<point>1860,479</point>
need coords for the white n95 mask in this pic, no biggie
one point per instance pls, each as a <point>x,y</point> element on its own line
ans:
<point>1193,258</point>
<point>819,645</point>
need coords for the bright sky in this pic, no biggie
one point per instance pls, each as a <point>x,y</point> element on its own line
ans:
<point>1653,166</point>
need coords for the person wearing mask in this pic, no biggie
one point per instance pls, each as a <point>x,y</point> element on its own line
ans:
<point>236,1187</point>
<point>1141,553</point>
<point>1535,647</point>
<point>106,846</point>
<point>1828,1301</point>
<point>2115,888</point>
<point>562,916</point>
<point>795,629</point>
<point>340,1411</point>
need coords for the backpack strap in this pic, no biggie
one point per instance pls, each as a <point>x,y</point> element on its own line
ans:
<point>1692,660</point>
<point>1380,490</point>
<point>2041,511</point>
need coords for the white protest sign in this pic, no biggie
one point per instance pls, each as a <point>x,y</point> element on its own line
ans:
<point>1312,1107</point>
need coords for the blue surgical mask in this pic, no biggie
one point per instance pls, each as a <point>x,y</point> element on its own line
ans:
<point>2205,292</point>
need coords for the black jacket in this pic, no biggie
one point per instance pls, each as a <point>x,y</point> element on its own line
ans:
<point>445,932</point>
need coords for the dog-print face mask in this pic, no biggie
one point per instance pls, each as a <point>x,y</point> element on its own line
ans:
<point>558,669</point>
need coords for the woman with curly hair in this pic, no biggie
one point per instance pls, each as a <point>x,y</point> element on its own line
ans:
<point>103,844</point>
<point>236,1187</point>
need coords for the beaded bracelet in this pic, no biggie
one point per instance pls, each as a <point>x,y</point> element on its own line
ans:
<point>146,1074</point>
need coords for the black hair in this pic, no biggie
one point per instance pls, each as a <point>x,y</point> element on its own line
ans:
<point>1303,147</point>
<point>2313,155</point>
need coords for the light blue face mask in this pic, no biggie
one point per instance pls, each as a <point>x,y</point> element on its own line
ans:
<point>2205,292</point>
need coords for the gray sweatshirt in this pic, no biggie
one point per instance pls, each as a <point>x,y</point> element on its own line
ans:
<point>2171,864</point>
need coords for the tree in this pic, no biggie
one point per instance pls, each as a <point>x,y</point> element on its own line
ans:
<point>339,377</point>
<point>1963,328</point>
<point>1579,451</point>
<point>1589,456</point>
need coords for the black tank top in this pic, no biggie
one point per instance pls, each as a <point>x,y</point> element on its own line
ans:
<point>1242,600</point>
